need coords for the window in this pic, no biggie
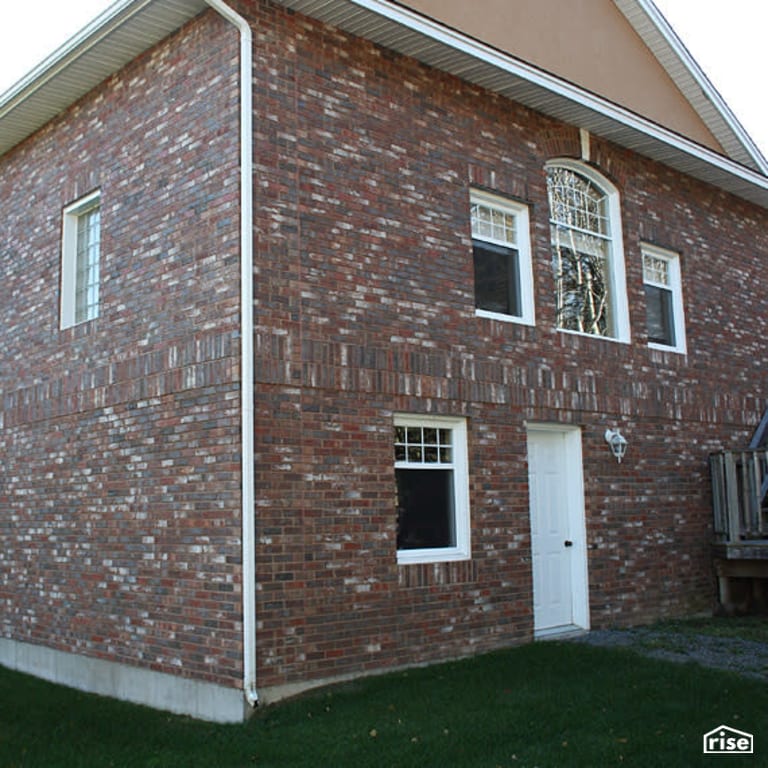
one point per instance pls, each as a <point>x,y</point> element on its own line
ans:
<point>587,254</point>
<point>81,240</point>
<point>502,259</point>
<point>663,299</point>
<point>432,489</point>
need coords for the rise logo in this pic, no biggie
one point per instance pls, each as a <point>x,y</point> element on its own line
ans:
<point>728,741</point>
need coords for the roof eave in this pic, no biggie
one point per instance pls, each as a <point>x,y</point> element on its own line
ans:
<point>124,31</point>
<point>412,34</point>
<point>656,32</point>
<point>130,27</point>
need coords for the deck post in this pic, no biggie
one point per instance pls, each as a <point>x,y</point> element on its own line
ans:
<point>762,520</point>
<point>732,497</point>
<point>718,495</point>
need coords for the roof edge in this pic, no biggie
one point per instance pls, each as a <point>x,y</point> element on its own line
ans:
<point>592,111</point>
<point>123,31</point>
<point>696,87</point>
<point>133,26</point>
<point>86,38</point>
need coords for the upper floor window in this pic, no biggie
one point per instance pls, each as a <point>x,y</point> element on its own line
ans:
<point>81,245</point>
<point>665,322</point>
<point>502,258</point>
<point>587,252</point>
<point>432,489</point>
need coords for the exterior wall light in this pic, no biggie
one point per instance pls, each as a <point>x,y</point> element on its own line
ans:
<point>617,442</point>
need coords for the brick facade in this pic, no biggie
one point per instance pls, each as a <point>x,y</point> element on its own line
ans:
<point>120,437</point>
<point>365,308</point>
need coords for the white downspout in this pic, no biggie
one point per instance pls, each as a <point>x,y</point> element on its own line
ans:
<point>246,343</point>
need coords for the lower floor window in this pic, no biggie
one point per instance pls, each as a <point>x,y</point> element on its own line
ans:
<point>432,489</point>
<point>425,508</point>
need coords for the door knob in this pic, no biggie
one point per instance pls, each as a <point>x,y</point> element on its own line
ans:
<point>568,543</point>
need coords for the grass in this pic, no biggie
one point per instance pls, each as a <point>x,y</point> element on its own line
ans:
<point>547,704</point>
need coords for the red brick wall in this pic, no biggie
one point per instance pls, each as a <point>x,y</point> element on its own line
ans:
<point>120,529</point>
<point>364,308</point>
<point>119,438</point>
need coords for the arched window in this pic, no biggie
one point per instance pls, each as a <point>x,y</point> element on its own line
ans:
<point>587,253</point>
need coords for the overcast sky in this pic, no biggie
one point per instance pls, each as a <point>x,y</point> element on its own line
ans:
<point>727,40</point>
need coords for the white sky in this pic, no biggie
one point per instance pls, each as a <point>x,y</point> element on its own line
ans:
<point>728,40</point>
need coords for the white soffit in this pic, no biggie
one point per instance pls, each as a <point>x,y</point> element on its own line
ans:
<point>407,32</point>
<point>671,53</point>
<point>120,34</point>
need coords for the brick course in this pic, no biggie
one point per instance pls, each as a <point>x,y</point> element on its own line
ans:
<point>120,437</point>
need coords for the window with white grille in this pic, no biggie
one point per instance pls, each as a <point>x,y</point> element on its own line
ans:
<point>587,252</point>
<point>665,323</point>
<point>432,489</point>
<point>502,258</point>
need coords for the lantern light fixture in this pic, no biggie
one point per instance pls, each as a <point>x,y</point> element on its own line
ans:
<point>617,442</point>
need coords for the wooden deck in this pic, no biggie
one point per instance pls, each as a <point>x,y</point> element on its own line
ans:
<point>740,540</point>
<point>739,490</point>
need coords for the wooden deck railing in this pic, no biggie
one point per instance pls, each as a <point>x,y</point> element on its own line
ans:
<point>739,490</point>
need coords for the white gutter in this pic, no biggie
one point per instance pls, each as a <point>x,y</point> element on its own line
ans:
<point>246,350</point>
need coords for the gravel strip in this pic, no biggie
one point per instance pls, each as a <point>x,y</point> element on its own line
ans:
<point>745,657</point>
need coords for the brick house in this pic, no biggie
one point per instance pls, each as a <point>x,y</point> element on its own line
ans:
<point>349,412</point>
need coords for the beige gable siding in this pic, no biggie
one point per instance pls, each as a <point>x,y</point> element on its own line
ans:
<point>588,42</point>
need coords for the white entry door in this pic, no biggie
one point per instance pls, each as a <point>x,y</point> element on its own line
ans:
<point>558,532</point>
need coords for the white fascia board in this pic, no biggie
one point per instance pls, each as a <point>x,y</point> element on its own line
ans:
<point>601,107</point>
<point>660,37</point>
<point>73,48</point>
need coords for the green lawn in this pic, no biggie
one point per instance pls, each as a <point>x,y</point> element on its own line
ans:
<point>546,705</point>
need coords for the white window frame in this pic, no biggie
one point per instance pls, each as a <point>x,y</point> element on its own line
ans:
<point>521,243</point>
<point>675,287</point>
<point>69,248</point>
<point>616,278</point>
<point>460,467</point>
